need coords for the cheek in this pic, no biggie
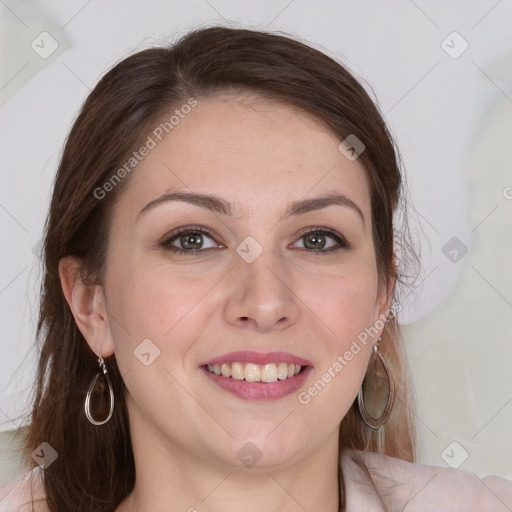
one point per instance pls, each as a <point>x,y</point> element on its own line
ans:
<point>153,303</point>
<point>155,317</point>
<point>345,303</point>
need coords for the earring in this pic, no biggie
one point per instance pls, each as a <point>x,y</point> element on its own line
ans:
<point>377,378</point>
<point>103,368</point>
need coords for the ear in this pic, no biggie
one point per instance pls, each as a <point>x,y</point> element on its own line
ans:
<point>87,303</point>
<point>385,292</point>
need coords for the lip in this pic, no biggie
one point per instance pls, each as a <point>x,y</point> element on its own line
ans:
<point>259,391</point>
<point>251,356</point>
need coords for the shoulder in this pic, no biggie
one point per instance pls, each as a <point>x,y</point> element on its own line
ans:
<point>420,487</point>
<point>18,495</point>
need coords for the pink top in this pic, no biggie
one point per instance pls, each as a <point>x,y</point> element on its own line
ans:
<point>402,485</point>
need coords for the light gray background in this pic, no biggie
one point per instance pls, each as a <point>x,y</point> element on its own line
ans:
<point>451,117</point>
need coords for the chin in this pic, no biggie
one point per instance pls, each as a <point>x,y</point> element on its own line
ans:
<point>263,447</point>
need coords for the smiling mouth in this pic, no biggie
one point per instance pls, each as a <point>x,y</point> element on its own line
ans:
<point>251,372</point>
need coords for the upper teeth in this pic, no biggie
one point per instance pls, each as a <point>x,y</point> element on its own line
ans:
<point>255,372</point>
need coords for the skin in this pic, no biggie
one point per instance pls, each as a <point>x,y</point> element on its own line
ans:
<point>186,431</point>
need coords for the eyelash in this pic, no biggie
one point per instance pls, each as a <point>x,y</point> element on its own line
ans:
<point>166,244</point>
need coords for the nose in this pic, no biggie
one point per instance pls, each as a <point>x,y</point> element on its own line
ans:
<point>262,296</point>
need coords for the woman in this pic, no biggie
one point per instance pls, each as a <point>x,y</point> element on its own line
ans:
<point>219,276</point>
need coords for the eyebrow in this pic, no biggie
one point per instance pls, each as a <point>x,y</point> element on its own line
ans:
<point>219,205</point>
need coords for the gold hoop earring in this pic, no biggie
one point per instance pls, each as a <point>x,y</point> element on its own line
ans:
<point>87,405</point>
<point>374,379</point>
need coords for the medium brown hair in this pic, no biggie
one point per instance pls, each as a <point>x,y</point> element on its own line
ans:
<point>95,468</point>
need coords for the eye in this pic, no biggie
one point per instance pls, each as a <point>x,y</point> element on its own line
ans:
<point>192,239</point>
<point>189,239</point>
<point>322,240</point>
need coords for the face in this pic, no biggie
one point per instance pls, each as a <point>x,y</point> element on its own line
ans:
<point>256,282</point>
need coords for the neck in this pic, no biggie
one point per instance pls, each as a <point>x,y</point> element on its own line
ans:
<point>171,478</point>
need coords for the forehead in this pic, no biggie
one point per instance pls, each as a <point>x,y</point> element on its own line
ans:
<point>257,153</point>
